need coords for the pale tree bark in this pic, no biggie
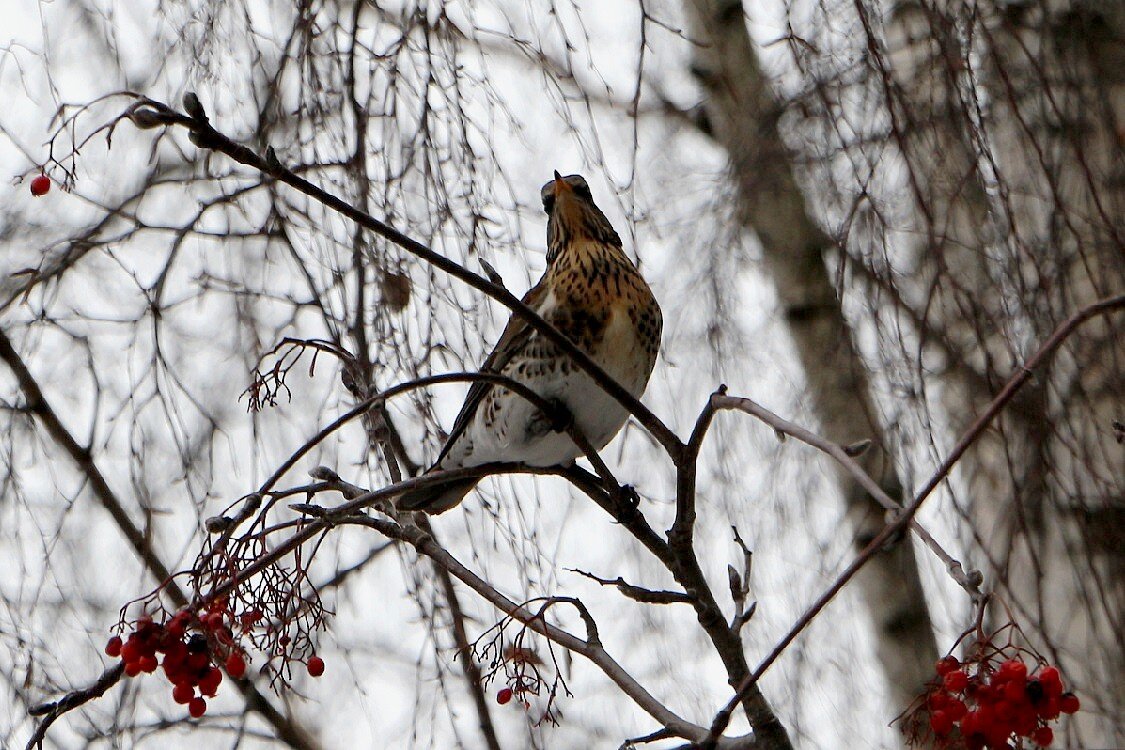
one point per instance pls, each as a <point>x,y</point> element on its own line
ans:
<point>1055,75</point>
<point>1016,166</point>
<point>742,116</point>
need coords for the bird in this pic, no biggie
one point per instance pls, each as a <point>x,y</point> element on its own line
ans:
<point>592,293</point>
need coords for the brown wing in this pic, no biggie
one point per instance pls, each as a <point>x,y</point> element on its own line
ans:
<point>512,340</point>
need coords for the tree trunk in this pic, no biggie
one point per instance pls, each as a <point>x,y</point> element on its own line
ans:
<point>742,117</point>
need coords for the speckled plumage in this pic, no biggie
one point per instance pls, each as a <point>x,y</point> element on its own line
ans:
<point>593,294</point>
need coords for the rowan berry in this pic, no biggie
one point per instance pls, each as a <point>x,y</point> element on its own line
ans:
<point>947,664</point>
<point>1069,703</point>
<point>956,681</point>
<point>249,619</point>
<point>503,696</point>
<point>1048,675</point>
<point>1013,669</point>
<point>315,666</point>
<point>131,651</point>
<point>197,707</point>
<point>236,666</point>
<point>1049,708</point>
<point>40,185</point>
<point>113,647</point>
<point>1043,736</point>
<point>183,693</point>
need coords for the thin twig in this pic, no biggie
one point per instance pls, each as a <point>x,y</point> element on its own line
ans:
<point>638,593</point>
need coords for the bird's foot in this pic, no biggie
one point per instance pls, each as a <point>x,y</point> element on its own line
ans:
<point>560,416</point>
<point>630,495</point>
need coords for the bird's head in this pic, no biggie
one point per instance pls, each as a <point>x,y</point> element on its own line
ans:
<point>572,215</point>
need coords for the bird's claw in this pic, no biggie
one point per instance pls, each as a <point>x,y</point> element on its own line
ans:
<point>630,495</point>
<point>561,418</point>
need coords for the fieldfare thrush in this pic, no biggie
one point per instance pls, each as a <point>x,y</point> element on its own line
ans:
<point>592,293</point>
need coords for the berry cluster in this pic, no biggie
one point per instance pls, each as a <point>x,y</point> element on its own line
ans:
<point>189,658</point>
<point>993,708</point>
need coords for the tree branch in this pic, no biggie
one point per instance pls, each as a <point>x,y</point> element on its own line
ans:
<point>638,593</point>
<point>1006,394</point>
<point>970,581</point>
<point>594,652</point>
<point>148,113</point>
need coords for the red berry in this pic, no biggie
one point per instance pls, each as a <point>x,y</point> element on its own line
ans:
<point>956,681</point>
<point>1043,736</point>
<point>209,684</point>
<point>1050,708</point>
<point>1051,681</point>
<point>1015,691</point>
<point>284,639</point>
<point>236,666</point>
<point>938,700</point>
<point>316,666</point>
<point>175,672</point>
<point>197,707</point>
<point>213,621</point>
<point>197,662</point>
<point>131,651</point>
<point>940,721</point>
<point>1014,669</point>
<point>1069,703</point>
<point>183,693</point>
<point>947,664</point>
<point>147,663</point>
<point>40,185</point>
<point>249,619</point>
<point>113,647</point>
<point>176,653</point>
<point>956,709</point>
<point>132,668</point>
<point>145,627</point>
<point>1005,713</point>
<point>1025,722</point>
<point>504,695</point>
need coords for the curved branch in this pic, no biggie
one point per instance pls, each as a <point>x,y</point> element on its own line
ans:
<point>589,648</point>
<point>969,581</point>
<point>150,113</point>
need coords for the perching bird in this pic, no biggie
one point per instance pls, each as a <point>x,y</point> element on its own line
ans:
<point>593,294</point>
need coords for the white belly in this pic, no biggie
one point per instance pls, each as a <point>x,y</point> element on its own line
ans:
<point>519,433</point>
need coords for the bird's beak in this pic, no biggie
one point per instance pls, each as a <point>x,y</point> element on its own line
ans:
<point>561,185</point>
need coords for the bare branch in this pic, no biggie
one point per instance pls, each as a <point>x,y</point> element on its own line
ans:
<point>638,593</point>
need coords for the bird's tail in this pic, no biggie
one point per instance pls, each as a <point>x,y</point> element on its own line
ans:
<point>436,498</point>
